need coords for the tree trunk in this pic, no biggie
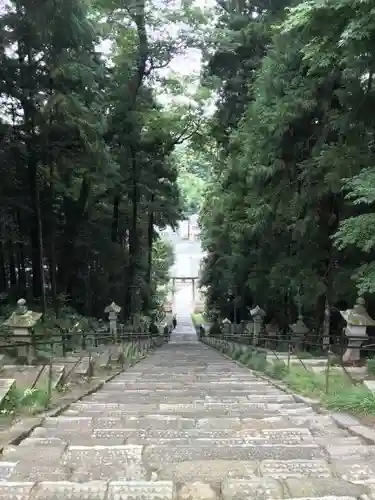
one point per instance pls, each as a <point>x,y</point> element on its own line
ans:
<point>3,274</point>
<point>75,212</point>
<point>21,255</point>
<point>115,218</point>
<point>12,265</point>
<point>133,241</point>
<point>150,241</point>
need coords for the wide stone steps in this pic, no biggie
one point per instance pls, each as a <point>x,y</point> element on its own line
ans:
<point>187,424</point>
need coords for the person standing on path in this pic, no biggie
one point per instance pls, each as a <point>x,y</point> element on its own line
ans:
<point>174,322</point>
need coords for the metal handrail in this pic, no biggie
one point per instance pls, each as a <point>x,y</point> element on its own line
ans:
<point>325,352</point>
<point>33,339</point>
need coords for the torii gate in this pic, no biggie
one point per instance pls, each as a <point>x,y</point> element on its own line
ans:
<point>193,280</point>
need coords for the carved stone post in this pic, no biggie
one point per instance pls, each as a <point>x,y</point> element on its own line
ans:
<point>22,321</point>
<point>227,327</point>
<point>272,332</point>
<point>298,332</point>
<point>113,310</point>
<point>357,321</point>
<point>258,316</point>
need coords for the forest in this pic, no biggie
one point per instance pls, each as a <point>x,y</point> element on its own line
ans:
<point>288,214</point>
<point>93,161</point>
<point>87,150</point>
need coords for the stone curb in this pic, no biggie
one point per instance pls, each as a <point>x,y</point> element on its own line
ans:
<point>344,421</point>
<point>22,429</point>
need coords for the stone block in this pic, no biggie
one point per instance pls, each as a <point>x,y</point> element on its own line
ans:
<point>160,422</point>
<point>63,421</point>
<point>314,487</point>
<point>156,455</point>
<point>280,469</point>
<point>65,490</point>
<point>354,471</point>
<point>123,462</point>
<point>35,472</point>
<point>219,423</point>
<point>351,452</point>
<point>25,376</point>
<point>6,470</point>
<point>197,491</point>
<point>15,491</point>
<point>210,471</point>
<point>140,490</point>
<point>344,420</point>
<point>257,489</point>
<point>57,376</point>
<point>6,385</point>
<point>364,432</point>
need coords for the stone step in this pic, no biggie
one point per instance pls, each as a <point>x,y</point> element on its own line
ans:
<point>58,372</point>
<point>92,490</point>
<point>230,489</point>
<point>6,384</point>
<point>144,410</point>
<point>176,399</point>
<point>197,406</point>
<point>319,425</point>
<point>187,424</point>
<point>235,489</point>
<point>157,455</point>
<point>195,436</point>
<point>25,376</point>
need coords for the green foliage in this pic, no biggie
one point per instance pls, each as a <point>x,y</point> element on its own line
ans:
<point>289,207</point>
<point>277,369</point>
<point>371,366</point>
<point>193,167</point>
<point>29,400</point>
<point>342,394</point>
<point>86,151</point>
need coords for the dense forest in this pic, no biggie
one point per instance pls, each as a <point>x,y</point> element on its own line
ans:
<point>288,217</point>
<point>86,150</point>
<point>93,161</point>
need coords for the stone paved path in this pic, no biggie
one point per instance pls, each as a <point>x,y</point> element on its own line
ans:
<point>187,424</point>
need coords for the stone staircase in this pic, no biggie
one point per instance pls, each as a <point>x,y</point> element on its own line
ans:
<point>73,368</point>
<point>187,424</point>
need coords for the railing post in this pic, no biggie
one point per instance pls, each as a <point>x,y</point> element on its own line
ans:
<point>91,364</point>
<point>64,343</point>
<point>50,376</point>
<point>327,370</point>
<point>122,352</point>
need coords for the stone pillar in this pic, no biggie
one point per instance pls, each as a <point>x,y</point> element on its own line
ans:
<point>357,321</point>
<point>193,287</point>
<point>258,316</point>
<point>113,310</point>
<point>272,334</point>
<point>227,327</point>
<point>22,321</point>
<point>298,332</point>
<point>112,316</point>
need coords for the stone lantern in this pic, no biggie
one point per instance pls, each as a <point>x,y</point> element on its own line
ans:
<point>22,321</point>
<point>258,315</point>
<point>299,330</point>
<point>357,321</point>
<point>112,310</point>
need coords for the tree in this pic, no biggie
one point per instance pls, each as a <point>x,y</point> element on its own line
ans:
<point>86,152</point>
<point>295,146</point>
